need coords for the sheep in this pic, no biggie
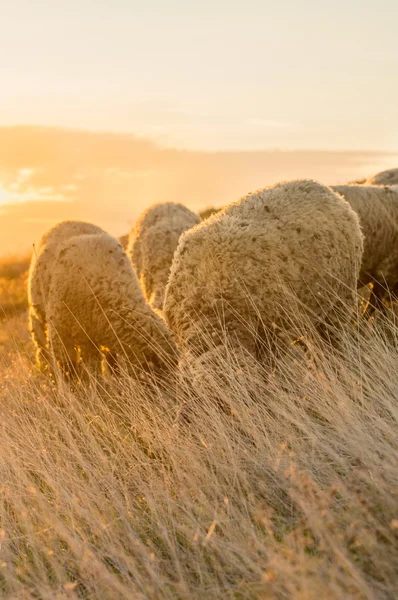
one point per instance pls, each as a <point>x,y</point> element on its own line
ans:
<point>207,212</point>
<point>359,181</point>
<point>40,272</point>
<point>95,302</point>
<point>389,177</point>
<point>377,208</point>
<point>124,240</point>
<point>152,244</point>
<point>240,275</point>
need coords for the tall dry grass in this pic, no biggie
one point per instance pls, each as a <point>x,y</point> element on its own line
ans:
<point>108,492</point>
<point>13,278</point>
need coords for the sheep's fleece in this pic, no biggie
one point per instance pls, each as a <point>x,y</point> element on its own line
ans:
<point>95,301</point>
<point>41,268</point>
<point>207,212</point>
<point>377,208</point>
<point>389,177</point>
<point>241,274</point>
<point>153,241</point>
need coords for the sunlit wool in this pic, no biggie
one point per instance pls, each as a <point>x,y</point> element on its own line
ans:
<point>259,265</point>
<point>152,243</point>
<point>207,212</point>
<point>40,273</point>
<point>388,177</point>
<point>95,301</point>
<point>377,207</point>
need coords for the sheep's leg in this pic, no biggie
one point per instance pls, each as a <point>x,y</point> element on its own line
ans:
<point>394,291</point>
<point>379,293</point>
<point>341,317</point>
<point>393,297</point>
<point>91,356</point>
<point>64,352</point>
<point>112,362</point>
<point>376,300</point>
<point>38,331</point>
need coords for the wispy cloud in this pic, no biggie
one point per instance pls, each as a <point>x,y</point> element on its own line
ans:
<point>48,175</point>
<point>12,196</point>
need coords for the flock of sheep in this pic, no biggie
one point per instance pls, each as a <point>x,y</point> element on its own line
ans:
<point>186,286</point>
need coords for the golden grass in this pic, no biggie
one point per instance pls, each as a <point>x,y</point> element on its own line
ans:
<point>119,489</point>
<point>107,492</point>
<point>13,278</point>
<point>14,266</point>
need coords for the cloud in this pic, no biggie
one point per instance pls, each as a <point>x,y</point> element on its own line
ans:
<point>53,174</point>
<point>11,195</point>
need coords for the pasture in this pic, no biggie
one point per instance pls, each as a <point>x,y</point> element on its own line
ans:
<point>116,488</point>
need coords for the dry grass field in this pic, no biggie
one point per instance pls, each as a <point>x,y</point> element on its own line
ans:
<point>13,278</point>
<point>106,492</point>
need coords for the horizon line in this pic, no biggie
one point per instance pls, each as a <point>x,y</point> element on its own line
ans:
<point>164,146</point>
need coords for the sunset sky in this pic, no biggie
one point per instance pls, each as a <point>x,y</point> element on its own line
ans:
<point>213,74</point>
<point>109,106</point>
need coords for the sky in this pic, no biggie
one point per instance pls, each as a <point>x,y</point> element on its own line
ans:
<point>209,75</point>
<point>109,106</point>
<point>51,174</point>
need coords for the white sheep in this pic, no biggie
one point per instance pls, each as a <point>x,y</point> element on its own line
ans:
<point>40,272</point>
<point>95,303</point>
<point>388,177</point>
<point>377,208</point>
<point>252,271</point>
<point>152,243</point>
<point>207,212</point>
<point>124,240</point>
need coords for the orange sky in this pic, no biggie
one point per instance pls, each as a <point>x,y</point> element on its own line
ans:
<point>225,96</point>
<point>217,75</point>
<point>49,174</point>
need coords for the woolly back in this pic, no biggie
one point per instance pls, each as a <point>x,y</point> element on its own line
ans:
<point>152,243</point>
<point>377,208</point>
<point>95,280</point>
<point>207,212</point>
<point>168,215</point>
<point>294,240</point>
<point>388,177</point>
<point>287,201</point>
<point>65,230</point>
<point>45,254</point>
<point>171,212</point>
<point>100,257</point>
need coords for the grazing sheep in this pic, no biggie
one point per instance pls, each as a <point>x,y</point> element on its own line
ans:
<point>152,243</point>
<point>40,272</point>
<point>207,212</point>
<point>95,302</point>
<point>359,181</point>
<point>124,240</point>
<point>389,177</point>
<point>377,208</point>
<point>243,274</point>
